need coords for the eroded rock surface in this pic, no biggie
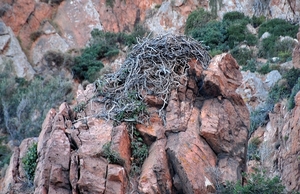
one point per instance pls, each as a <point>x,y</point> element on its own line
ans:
<point>205,131</point>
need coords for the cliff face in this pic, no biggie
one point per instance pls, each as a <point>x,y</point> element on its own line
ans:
<point>63,25</point>
<point>202,144</point>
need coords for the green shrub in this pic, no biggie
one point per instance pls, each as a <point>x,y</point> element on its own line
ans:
<point>278,27</point>
<point>212,34</point>
<point>253,152</point>
<point>234,16</point>
<point>295,90</point>
<point>30,162</point>
<point>267,47</point>
<point>139,151</point>
<point>112,156</point>
<point>103,44</point>
<point>5,154</point>
<point>257,183</point>
<point>197,19</point>
<point>24,104</point>
<point>242,55</point>
<point>257,21</point>
<point>250,65</point>
<point>267,68</point>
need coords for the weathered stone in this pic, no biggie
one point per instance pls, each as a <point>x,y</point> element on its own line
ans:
<point>252,90</point>
<point>76,19</point>
<point>52,171</point>
<point>3,28</point>
<point>188,151</point>
<point>177,113</point>
<point>222,77</point>
<point>92,175</point>
<point>271,78</point>
<point>156,177</point>
<point>116,180</point>
<point>18,14</point>
<point>154,129</point>
<point>4,39</point>
<point>19,60</point>
<point>296,53</point>
<point>120,143</point>
<point>52,42</point>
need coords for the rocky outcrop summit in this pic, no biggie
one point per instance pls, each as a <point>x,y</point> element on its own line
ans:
<point>201,144</point>
<point>63,25</point>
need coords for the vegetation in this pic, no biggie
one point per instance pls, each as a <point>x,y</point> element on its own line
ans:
<point>284,88</point>
<point>253,152</point>
<point>257,183</point>
<point>112,156</point>
<point>30,162</point>
<point>103,44</point>
<point>5,154</point>
<point>230,33</point>
<point>139,151</point>
<point>24,104</point>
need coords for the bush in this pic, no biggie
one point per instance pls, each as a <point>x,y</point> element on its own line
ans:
<point>234,16</point>
<point>197,19</point>
<point>295,90</point>
<point>139,151</point>
<point>5,154</point>
<point>212,34</point>
<point>24,104</point>
<point>257,183</point>
<point>250,65</point>
<point>257,21</point>
<point>242,55</point>
<point>278,27</point>
<point>267,68</point>
<point>111,156</point>
<point>30,162</point>
<point>103,44</point>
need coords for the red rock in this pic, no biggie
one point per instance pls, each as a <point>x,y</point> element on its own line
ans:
<point>92,175</point>
<point>155,176</point>
<point>187,151</point>
<point>223,77</point>
<point>116,180</point>
<point>18,15</point>
<point>120,143</point>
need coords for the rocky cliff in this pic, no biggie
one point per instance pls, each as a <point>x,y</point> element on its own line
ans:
<point>41,26</point>
<point>198,145</point>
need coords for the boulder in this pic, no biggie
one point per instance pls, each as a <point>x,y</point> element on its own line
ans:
<point>12,51</point>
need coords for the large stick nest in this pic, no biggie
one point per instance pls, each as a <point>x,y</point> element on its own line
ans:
<point>153,67</point>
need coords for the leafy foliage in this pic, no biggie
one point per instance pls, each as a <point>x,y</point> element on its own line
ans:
<point>197,19</point>
<point>257,183</point>
<point>282,89</point>
<point>139,151</point>
<point>295,90</point>
<point>278,27</point>
<point>103,44</point>
<point>24,104</point>
<point>242,55</point>
<point>112,156</point>
<point>5,154</point>
<point>213,34</point>
<point>30,162</point>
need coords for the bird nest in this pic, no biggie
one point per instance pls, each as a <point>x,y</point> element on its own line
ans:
<point>154,67</point>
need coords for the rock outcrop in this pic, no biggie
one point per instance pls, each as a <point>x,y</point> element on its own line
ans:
<point>296,53</point>
<point>205,132</point>
<point>11,52</point>
<point>279,144</point>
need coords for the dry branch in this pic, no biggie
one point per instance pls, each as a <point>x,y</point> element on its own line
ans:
<point>153,67</point>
